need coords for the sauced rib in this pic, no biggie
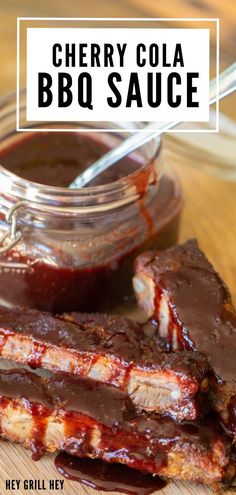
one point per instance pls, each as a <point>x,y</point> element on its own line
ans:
<point>109,349</point>
<point>194,310</point>
<point>90,419</point>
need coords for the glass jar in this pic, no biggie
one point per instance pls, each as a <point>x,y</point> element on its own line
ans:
<point>73,250</point>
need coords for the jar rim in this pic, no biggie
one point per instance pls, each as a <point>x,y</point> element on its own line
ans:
<point>62,199</point>
<point>115,194</point>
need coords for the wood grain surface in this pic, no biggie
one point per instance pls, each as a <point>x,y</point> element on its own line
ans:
<point>210,203</point>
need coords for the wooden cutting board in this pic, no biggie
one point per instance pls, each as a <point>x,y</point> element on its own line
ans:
<point>209,215</point>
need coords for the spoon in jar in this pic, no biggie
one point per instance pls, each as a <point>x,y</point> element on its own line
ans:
<point>227,84</point>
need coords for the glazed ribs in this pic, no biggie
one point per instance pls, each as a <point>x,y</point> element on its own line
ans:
<point>193,307</point>
<point>89,419</point>
<point>112,350</point>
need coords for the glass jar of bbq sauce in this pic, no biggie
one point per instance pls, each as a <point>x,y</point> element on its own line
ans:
<point>63,249</point>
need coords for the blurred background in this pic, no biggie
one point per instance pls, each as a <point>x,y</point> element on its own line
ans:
<point>206,163</point>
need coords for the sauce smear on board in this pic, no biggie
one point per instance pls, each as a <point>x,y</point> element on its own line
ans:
<point>107,477</point>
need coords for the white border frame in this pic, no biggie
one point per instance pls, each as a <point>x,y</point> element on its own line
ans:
<point>110,19</point>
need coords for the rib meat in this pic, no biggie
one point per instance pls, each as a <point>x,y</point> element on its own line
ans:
<point>89,419</point>
<point>110,349</point>
<point>194,310</point>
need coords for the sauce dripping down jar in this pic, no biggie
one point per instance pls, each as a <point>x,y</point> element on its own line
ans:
<point>73,250</point>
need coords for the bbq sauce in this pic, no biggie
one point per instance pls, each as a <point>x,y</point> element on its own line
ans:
<point>107,477</point>
<point>104,403</point>
<point>95,334</point>
<point>19,383</point>
<point>34,360</point>
<point>40,416</point>
<point>201,314</point>
<point>201,308</point>
<point>141,442</point>
<point>56,159</point>
<point>232,415</point>
<point>47,278</point>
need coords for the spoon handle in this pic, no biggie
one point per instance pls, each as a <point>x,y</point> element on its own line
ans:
<point>119,152</point>
<point>227,84</point>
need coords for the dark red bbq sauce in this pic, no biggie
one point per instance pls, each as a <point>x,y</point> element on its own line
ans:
<point>55,159</point>
<point>34,360</point>
<point>108,477</point>
<point>82,403</point>
<point>20,383</point>
<point>141,184</point>
<point>40,415</point>
<point>201,307</point>
<point>232,415</point>
<point>104,403</point>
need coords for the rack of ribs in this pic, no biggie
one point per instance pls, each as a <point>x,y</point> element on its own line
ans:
<point>180,289</point>
<point>110,350</point>
<point>87,418</point>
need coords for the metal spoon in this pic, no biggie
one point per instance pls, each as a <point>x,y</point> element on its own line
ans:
<point>227,84</point>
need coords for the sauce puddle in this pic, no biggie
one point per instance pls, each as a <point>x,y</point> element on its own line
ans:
<point>107,477</point>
